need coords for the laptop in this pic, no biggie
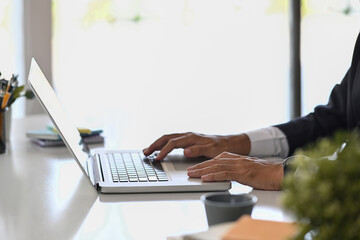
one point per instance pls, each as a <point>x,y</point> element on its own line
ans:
<point>118,171</point>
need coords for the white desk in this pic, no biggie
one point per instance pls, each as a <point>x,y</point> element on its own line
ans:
<point>45,196</point>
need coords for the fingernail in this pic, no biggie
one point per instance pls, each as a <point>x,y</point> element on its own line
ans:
<point>191,173</point>
<point>145,150</point>
<point>187,152</point>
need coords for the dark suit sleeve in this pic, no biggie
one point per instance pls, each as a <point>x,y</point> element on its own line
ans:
<point>323,121</point>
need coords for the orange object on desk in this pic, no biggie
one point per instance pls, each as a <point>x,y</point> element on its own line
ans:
<point>247,228</point>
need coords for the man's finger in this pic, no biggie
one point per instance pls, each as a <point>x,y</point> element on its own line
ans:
<point>183,141</point>
<point>210,169</point>
<point>199,151</point>
<point>228,161</point>
<point>160,143</point>
<point>202,165</point>
<point>228,155</point>
<point>217,177</point>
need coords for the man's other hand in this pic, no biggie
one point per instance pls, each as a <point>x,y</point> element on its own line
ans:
<point>255,172</point>
<point>196,145</point>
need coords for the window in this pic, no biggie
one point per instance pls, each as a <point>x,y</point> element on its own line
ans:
<point>151,67</point>
<point>154,67</point>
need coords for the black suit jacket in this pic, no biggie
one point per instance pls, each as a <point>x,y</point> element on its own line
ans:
<point>341,112</point>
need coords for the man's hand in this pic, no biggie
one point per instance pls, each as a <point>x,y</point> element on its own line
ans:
<point>257,173</point>
<point>196,145</point>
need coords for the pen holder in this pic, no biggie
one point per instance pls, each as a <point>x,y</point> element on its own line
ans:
<point>2,131</point>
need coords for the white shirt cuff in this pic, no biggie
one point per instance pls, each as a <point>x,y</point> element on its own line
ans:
<point>268,142</point>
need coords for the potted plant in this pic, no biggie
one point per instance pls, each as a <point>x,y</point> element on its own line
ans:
<point>324,192</point>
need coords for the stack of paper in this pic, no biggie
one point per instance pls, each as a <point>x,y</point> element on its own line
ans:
<point>50,137</point>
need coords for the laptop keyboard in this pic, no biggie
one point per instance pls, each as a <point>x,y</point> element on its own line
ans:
<point>135,167</point>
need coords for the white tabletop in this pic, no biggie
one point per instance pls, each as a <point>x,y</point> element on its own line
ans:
<point>45,196</point>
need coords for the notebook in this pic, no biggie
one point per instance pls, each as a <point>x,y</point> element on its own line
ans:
<point>118,171</point>
<point>59,142</point>
<point>49,138</point>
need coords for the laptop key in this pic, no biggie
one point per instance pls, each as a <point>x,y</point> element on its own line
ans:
<point>117,156</point>
<point>135,168</point>
<point>143,179</point>
<point>152,178</point>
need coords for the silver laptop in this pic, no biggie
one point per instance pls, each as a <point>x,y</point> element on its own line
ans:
<point>118,171</point>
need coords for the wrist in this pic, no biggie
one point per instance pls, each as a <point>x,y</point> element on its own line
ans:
<point>279,177</point>
<point>240,144</point>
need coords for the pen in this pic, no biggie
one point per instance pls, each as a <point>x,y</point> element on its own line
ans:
<point>3,88</point>
<point>6,97</point>
<point>14,80</point>
<point>14,85</point>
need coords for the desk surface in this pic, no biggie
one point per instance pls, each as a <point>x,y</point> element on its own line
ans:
<point>45,196</point>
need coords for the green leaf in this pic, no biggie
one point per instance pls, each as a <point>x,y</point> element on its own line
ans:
<point>29,94</point>
<point>323,192</point>
<point>16,94</point>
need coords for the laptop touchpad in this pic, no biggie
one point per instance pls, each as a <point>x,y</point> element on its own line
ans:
<point>181,163</point>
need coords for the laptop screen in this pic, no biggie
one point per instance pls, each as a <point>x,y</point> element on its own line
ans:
<point>53,107</point>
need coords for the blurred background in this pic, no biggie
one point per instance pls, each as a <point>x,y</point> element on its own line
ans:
<point>143,68</point>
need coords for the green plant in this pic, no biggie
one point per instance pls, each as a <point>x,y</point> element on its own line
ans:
<point>18,91</point>
<point>324,192</point>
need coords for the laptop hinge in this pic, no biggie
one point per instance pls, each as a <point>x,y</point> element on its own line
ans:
<point>97,168</point>
<point>94,170</point>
